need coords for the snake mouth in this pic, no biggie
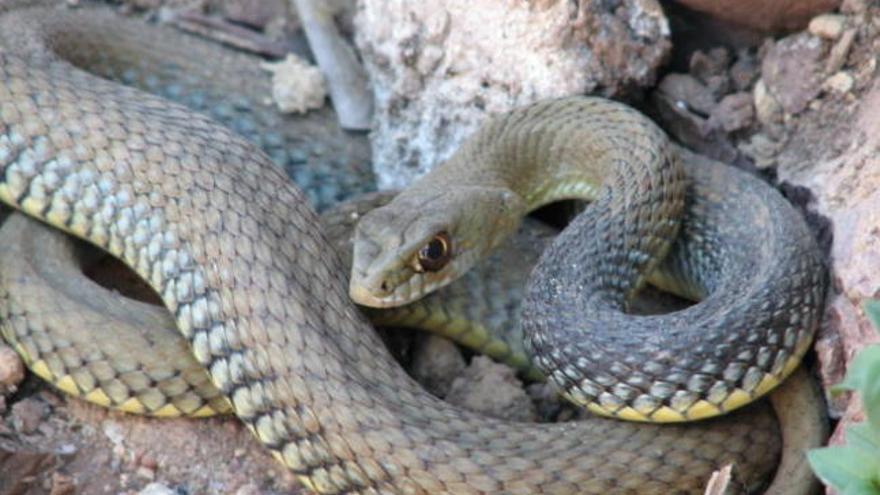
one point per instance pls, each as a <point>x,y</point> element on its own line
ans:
<point>410,291</point>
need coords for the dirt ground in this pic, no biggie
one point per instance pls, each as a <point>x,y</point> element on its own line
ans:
<point>819,82</point>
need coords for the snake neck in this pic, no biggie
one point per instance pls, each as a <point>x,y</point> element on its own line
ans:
<point>569,148</point>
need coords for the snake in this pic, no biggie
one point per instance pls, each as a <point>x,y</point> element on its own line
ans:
<point>237,255</point>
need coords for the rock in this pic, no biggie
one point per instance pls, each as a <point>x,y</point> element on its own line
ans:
<point>767,107</point>
<point>837,156</point>
<point>297,86</point>
<point>792,71</point>
<point>763,15</point>
<point>839,52</point>
<point>705,65</point>
<point>840,83</point>
<point>492,389</point>
<point>734,112</point>
<point>854,6</point>
<point>23,471</point>
<point>439,67</point>
<point>255,14</point>
<point>27,414</point>
<point>248,489</point>
<point>711,69</point>
<point>828,26</point>
<point>842,324</point>
<point>157,489</point>
<point>62,484</point>
<point>744,71</point>
<point>762,150</point>
<point>436,363</point>
<point>11,369</point>
<point>686,89</point>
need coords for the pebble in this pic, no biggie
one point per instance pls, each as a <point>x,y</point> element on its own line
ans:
<point>840,51</point>
<point>157,489</point>
<point>840,83</point>
<point>62,484</point>
<point>793,71</point>
<point>492,389</point>
<point>744,71</point>
<point>767,107</point>
<point>248,489</point>
<point>436,363</point>
<point>145,473</point>
<point>689,90</point>
<point>734,112</point>
<point>828,26</point>
<point>27,414</point>
<point>11,369</point>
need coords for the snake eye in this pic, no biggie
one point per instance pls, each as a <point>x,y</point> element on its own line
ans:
<point>434,255</point>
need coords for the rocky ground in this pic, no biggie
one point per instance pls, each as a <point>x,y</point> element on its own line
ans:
<point>802,109</point>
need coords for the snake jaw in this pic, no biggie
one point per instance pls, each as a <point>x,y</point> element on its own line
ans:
<point>404,293</point>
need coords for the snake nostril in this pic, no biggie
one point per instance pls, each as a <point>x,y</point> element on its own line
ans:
<point>384,286</point>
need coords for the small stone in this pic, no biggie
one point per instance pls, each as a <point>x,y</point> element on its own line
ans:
<point>27,414</point>
<point>492,389</point>
<point>11,369</point>
<point>113,431</point>
<point>248,489</point>
<point>687,89</point>
<point>840,51</point>
<point>66,449</point>
<point>767,108</point>
<point>157,489</point>
<point>436,363</point>
<point>840,83</point>
<point>254,14</point>
<point>762,149</point>
<point>297,86</point>
<point>62,484</point>
<point>743,72</point>
<point>145,473</point>
<point>828,26</point>
<point>792,71</point>
<point>149,461</point>
<point>854,6</point>
<point>734,112</point>
<point>705,65</point>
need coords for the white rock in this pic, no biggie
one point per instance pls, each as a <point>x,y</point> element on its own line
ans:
<point>828,26</point>
<point>297,86</point>
<point>438,67</point>
<point>839,83</point>
<point>156,489</point>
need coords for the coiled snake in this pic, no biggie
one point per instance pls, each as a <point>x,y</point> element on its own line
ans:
<point>239,259</point>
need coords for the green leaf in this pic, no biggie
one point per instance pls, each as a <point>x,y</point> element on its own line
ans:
<point>841,467</point>
<point>863,376</point>
<point>872,310</point>
<point>859,487</point>
<point>864,370</point>
<point>864,437</point>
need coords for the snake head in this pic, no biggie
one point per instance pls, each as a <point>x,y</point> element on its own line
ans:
<point>422,241</point>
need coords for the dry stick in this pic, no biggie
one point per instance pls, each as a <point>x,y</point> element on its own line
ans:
<point>230,34</point>
<point>346,79</point>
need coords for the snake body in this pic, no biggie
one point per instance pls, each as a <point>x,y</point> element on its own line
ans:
<point>743,251</point>
<point>238,257</point>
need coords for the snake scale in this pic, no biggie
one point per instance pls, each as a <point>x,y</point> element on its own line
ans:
<point>238,257</point>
